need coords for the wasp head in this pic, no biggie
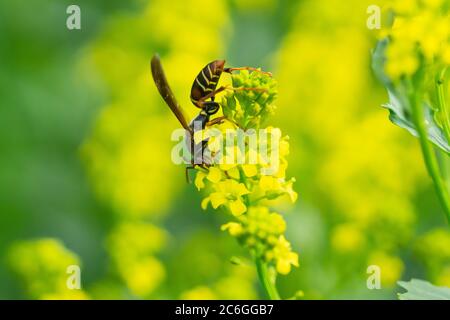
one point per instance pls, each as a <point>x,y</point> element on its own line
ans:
<point>218,66</point>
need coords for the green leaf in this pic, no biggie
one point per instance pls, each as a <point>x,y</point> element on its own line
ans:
<point>401,117</point>
<point>378,61</point>
<point>422,290</point>
<point>398,105</point>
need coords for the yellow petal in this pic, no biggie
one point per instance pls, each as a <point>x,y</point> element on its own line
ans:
<point>199,180</point>
<point>281,173</point>
<point>293,258</point>
<point>235,188</point>
<point>241,190</point>
<point>237,207</point>
<point>290,191</point>
<point>266,183</point>
<point>204,203</point>
<point>234,173</point>
<point>226,186</point>
<point>217,199</point>
<point>283,266</point>
<point>234,228</point>
<point>293,196</point>
<point>250,170</point>
<point>214,175</point>
<point>226,167</point>
<point>284,146</point>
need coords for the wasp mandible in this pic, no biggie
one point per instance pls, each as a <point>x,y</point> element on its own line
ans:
<point>203,92</point>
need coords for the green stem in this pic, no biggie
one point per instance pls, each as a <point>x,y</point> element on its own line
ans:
<point>440,80</point>
<point>443,161</point>
<point>261,266</point>
<point>428,152</point>
<point>264,278</point>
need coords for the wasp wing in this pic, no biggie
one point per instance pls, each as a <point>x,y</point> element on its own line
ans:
<point>166,93</point>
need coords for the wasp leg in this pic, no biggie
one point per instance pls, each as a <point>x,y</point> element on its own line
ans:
<point>229,70</point>
<point>211,94</point>
<point>249,89</point>
<point>221,89</point>
<point>203,166</point>
<point>219,120</point>
<point>187,173</point>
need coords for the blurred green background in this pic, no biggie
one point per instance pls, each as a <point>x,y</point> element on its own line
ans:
<point>86,176</point>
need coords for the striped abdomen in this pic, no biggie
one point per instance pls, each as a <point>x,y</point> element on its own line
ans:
<point>206,81</point>
<point>196,150</point>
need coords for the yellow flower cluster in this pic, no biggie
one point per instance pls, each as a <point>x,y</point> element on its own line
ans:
<point>262,231</point>
<point>243,188</point>
<point>391,267</point>
<point>43,267</point>
<point>420,35</point>
<point>234,185</point>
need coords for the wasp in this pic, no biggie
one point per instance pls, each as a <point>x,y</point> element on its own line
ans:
<point>203,93</point>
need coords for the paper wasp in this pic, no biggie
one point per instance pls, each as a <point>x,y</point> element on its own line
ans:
<point>203,92</point>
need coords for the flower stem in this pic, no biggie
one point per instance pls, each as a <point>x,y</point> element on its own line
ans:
<point>442,105</point>
<point>264,278</point>
<point>428,152</point>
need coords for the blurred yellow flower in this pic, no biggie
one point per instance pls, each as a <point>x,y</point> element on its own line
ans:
<point>420,35</point>
<point>199,293</point>
<point>131,169</point>
<point>391,267</point>
<point>43,265</point>
<point>143,276</point>
<point>443,279</point>
<point>132,245</point>
<point>127,164</point>
<point>359,171</point>
<point>433,250</point>
<point>347,238</point>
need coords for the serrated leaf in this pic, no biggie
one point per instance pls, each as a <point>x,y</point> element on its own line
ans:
<point>398,106</point>
<point>422,290</point>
